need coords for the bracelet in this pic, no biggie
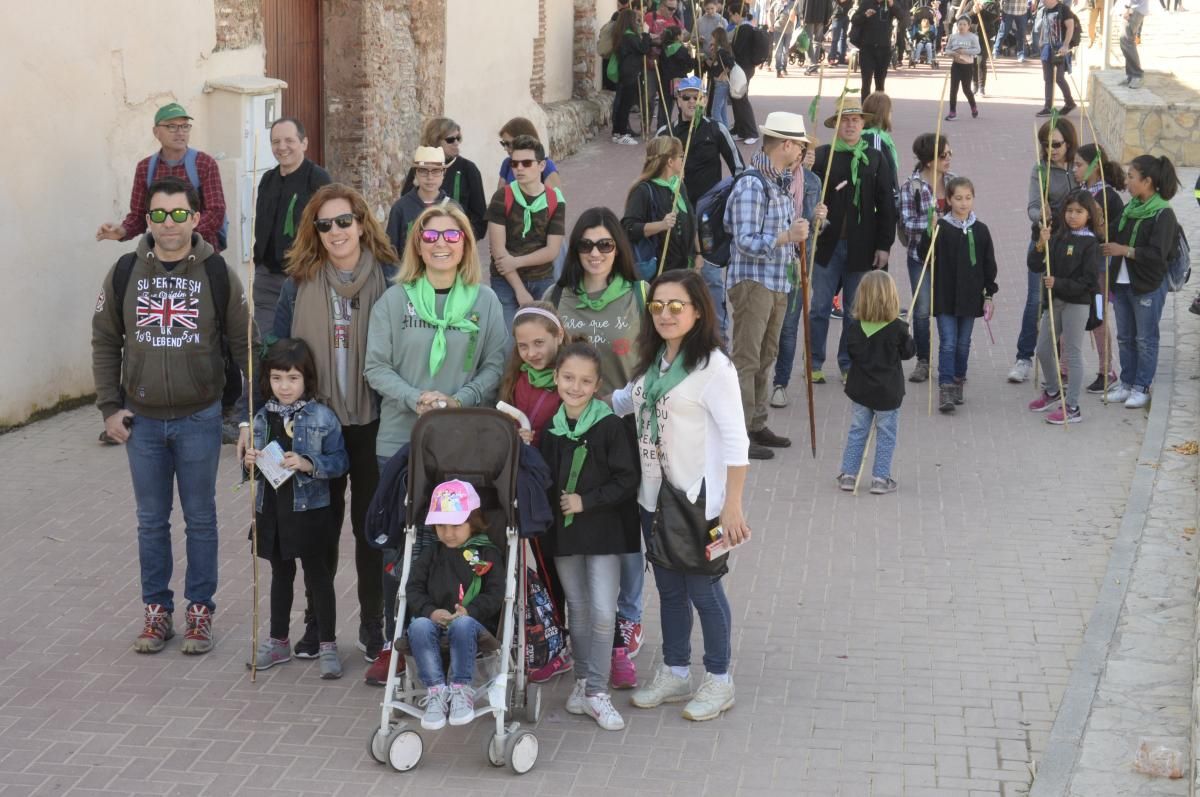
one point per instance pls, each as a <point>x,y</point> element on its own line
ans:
<point>1129,254</point>
<point>244,425</point>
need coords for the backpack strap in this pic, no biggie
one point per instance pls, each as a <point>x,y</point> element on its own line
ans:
<point>218,282</point>
<point>552,201</point>
<point>640,295</point>
<point>189,164</point>
<point>509,199</point>
<point>120,282</point>
<point>151,169</point>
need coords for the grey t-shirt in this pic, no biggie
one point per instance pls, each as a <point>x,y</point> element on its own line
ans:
<point>341,333</point>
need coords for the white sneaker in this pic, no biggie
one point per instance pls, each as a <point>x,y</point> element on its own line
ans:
<point>1117,393</point>
<point>667,687</point>
<point>751,140</point>
<point>434,704</point>
<point>779,396</point>
<point>1020,371</point>
<point>711,699</point>
<point>578,698</point>
<point>1137,399</point>
<point>462,704</point>
<point>600,708</point>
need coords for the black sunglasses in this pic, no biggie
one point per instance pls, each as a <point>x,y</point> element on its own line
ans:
<point>344,221</point>
<point>524,163</point>
<point>178,215</point>
<point>453,139</point>
<point>1058,144</point>
<point>605,245</point>
<point>450,236</point>
<point>506,144</point>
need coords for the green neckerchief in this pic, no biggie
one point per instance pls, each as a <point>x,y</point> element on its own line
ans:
<point>672,48</point>
<point>1139,211</point>
<point>289,219</point>
<point>871,327</point>
<point>459,302</point>
<point>671,184</point>
<point>656,385</point>
<point>457,186</point>
<point>541,378</point>
<point>886,138</point>
<point>479,566</point>
<point>965,225</point>
<point>858,157</point>
<point>615,290</point>
<point>592,414</point>
<point>541,203</point>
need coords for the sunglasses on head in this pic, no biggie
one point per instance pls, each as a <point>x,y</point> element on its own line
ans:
<point>453,139</point>
<point>524,163</point>
<point>675,306</point>
<point>449,236</point>
<point>604,245</point>
<point>344,221</point>
<point>178,215</point>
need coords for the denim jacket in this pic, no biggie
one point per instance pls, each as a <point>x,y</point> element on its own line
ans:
<point>317,436</point>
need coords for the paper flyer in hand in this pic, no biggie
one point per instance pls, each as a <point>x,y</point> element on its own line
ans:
<point>270,464</point>
<point>719,545</point>
<point>516,414</point>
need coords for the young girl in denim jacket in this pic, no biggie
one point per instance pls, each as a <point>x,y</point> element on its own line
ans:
<point>295,520</point>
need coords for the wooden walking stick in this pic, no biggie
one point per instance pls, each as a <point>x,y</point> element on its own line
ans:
<point>987,45</point>
<point>866,452</point>
<point>932,261</point>
<point>805,321</point>
<point>250,413</point>
<point>687,146</point>
<point>1062,394</point>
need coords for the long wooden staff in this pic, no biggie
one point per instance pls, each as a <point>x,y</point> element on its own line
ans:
<point>645,76</point>
<point>866,452</point>
<point>1044,194</point>
<point>687,146</point>
<point>812,257</point>
<point>806,321</point>
<point>937,149</point>
<point>987,44</point>
<point>250,412</point>
<point>1062,394</point>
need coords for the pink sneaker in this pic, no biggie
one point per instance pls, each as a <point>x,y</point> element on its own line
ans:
<point>556,666</point>
<point>1058,419</point>
<point>624,672</point>
<point>1044,402</point>
<point>631,632</point>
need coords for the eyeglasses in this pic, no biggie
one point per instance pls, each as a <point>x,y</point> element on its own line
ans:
<point>178,215</point>
<point>947,154</point>
<point>449,236</point>
<point>344,221</point>
<point>524,163</point>
<point>430,172</point>
<point>453,139</point>
<point>604,245</point>
<point>675,306</point>
<point>1058,144</point>
<point>506,143</point>
<point>176,128</point>
<point>686,98</point>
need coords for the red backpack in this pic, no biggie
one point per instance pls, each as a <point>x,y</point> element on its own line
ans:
<point>552,199</point>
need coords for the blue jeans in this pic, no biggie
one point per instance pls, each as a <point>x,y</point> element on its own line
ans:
<point>720,104</point>
<point>1138,316</point>
<point>1027,339</point>
<point>781,49</point>
<point>886,424</point>
<point>676,591</point>
<point>954,347</point>
<point>425,641</point>
<point>788,333</point>
<point>185,450</point>
<point>633,576</point>
<point>714,278</point>
<point>841,27</point>
<point>1008,22</point>
<point>508,298</point>
<point>825,281</point>
<point>920,313</point>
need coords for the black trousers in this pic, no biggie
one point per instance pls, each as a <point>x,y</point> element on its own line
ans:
<point>318,588</point>
<point>961,74</point>
<point>1055,71</point>
<point>873,60</point>
<point>744,124</point>
<point>981,69</point>
<point>626,95</point>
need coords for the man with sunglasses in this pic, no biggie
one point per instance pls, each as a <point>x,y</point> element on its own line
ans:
<point>172,128</point>
<point>429,170</point>
<point>160,372</point>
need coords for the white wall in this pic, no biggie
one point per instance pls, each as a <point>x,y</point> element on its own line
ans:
<point>80,88</point>
<point>560,50</point>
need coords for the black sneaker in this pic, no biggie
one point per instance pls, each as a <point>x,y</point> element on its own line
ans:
<point>309,645</point>
<point>1194,307</point>
<point>765,437</point>
<point>1044,112</point>
<point>370,639</point>
<point>1098,385</point>
<point>760,452</point>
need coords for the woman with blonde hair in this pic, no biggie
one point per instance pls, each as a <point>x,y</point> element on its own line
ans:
<point>338,267</point>
<point>437,341</point>
<point>656,204</point>
<point>461,181</point>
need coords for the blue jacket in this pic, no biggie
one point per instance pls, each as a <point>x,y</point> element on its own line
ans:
<point>317,436</point>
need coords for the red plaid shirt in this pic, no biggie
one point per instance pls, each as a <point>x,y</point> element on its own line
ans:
<point>212,197</point>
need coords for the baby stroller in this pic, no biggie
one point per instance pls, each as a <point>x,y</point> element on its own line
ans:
<point>923,50</point>
<point>480,446</point>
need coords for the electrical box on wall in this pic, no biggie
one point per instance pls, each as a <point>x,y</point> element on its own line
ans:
<point>239,115</point>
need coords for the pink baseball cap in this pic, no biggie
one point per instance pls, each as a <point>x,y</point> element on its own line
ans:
<point>452,503</point>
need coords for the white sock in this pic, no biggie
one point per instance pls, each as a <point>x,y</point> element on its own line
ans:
<point>681,672</point>
<point>723,678</point>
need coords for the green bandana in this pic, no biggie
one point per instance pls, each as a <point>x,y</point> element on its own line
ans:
<point>672,185</point>
<point>592,414</point>
<point>541,378</point>
<point>886,138</point>
<point>858,157</point>
<point>673,48</point>
<point>1139,211</point>
<point>530,208</point>
<point>478,564</point>
<point>871,327</point>
<point>971,245</point>
<point>655,386</point>
<point>615,290</point>
<point>459,302</point>
<point>289,219</point>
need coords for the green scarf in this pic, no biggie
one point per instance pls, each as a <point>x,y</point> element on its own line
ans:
<point>478,566</point>
<point>655,386</point>
<point>886,138</point>
<point>289,220</point>
<point>1139,211</point>
<point>672,185</point>
<point>459,302</point>
<point>615,290</point>
<point>871,327</point>
<point>673,48</point>
<point>530,207</point>
<point>592,414</point>
<point>541,378</point>
<point>858,157</point>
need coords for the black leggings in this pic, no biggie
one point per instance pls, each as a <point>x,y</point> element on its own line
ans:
<point>318,586</point>
<point>961,74</point>
<point>1055,71</point>
<point>873,60</point>
<point>626,96</point>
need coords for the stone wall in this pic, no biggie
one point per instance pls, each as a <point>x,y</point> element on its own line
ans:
<point>239,23</point>
<point>1160,118</point>
<point>537,77</point>
<point>586,56</point>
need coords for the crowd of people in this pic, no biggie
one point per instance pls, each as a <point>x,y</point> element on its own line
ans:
<point>645,347</point>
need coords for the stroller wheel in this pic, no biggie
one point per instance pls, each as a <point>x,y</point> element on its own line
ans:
<point>521,751</point>
<point>533,704</point>
<point>492,751</point>
<point>404,748</point>
<point>377,745</point>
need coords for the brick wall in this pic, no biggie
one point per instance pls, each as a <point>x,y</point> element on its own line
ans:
<point>239,23</point>
<point>537,79</point>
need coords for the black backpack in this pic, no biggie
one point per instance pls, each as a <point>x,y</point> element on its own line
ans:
<point>1077,29</point>
<point>760,49</point>
<point>715,240</point>
<point>218,283</point>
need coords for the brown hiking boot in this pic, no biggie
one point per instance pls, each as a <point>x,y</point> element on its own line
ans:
<point>158,629</point>
<point>198,637</point>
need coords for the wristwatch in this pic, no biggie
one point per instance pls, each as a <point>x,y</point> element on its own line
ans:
<point>1129,253</point>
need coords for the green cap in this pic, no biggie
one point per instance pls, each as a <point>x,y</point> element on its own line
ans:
<point>172,111</point>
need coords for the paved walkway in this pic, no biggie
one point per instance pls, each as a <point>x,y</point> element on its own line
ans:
<point>915,644</point>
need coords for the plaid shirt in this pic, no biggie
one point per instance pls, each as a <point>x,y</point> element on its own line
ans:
<point>1014,7</point>
<point>755,221</point>
<point>212,197</point>
<point>916,199</point>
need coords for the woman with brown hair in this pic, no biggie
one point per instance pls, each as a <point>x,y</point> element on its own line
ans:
<point>461,181</point>
<point>514,128</point>
<point>654,205</point>
<point>338,267</point>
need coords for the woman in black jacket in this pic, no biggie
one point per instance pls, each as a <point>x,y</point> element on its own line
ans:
<point>631,43</point>
<point>653,207</point>
<point>1146,238</point>
<point>462,181</point>
<point>871,32</point>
